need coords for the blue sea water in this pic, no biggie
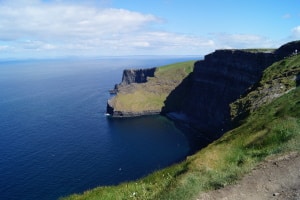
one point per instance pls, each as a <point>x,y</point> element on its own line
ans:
<point>55,139</point>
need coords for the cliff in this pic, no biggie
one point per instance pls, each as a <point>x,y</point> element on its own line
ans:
<point>277,80</point>
<point>223,77</point>
<point>270,133</point>
<point>135,76</point>
<point>203,97</point>
<point>219,79</point>
<point>143,92</point>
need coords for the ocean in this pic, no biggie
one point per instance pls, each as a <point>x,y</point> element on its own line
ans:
<point>56,139</point>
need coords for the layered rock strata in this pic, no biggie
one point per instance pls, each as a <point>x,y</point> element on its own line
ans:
<point>219,79</point>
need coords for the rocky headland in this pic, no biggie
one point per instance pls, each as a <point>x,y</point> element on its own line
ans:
<point>144,91</point>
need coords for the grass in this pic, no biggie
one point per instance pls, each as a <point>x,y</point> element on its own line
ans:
<point>277,79</point>
<point>259,50</point>
<point>283,68</point>
<point>151,96</point>
<point>271,129</point>
<point>264,133</point>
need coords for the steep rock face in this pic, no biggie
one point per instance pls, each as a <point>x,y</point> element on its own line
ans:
<point>217,81</point>
<point>222,78</point>
<point>279,79</point>
<point>136,76</point>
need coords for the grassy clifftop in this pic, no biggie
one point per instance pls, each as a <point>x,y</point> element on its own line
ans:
<point>279,78</point>
<point>150,96</point>
<point>270,129</point>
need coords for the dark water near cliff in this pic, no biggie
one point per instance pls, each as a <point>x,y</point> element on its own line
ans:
<point>56,139</point>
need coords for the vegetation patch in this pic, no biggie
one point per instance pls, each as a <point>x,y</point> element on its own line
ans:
<point>277,79</point>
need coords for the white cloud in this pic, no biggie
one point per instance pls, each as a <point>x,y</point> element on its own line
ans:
<point>294,35</point>
<point>287,16</point>
<point>231,41</point>
<point>37,45</point>
<point>42,28</point>
<point>296,32</point>
<point>4,47</point>
<point>82,29</point>
<point>69,28</point>
<point>52,21</point>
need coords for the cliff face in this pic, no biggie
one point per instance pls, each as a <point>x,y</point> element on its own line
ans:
<point>135,76</point>
<point>222,78</point>
<point>217,81</point>
<point>278,79</point>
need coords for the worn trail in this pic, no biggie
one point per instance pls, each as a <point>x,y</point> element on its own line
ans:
<point>274,179</point>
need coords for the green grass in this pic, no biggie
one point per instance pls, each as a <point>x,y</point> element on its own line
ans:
<point>165,70</point>
<point>281,69</point>
<point>271,129</point>
<point>259,50</point>
<point>277,79</point>
<point>151,96</point>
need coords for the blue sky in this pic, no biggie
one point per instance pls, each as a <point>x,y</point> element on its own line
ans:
<point>95,28</point>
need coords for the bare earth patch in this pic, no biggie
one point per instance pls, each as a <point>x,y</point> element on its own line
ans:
<point>276,178</point>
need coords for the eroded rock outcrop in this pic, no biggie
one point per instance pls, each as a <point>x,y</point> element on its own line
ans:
<point>134,76</point>
<point>137,75</point>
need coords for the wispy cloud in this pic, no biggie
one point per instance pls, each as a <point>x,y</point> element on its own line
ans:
<point>48,21</point>
<point>47,26</point>
<point>75,29</point>
<point>31,28</point>
<point>2,48</point>
<point>296,33</point>
<point>287,16</point>
<point>231,41</point>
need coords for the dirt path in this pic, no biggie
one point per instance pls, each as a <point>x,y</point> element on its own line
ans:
<point>276,179</point>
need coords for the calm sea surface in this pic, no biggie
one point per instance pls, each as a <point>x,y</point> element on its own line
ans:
<point>55,139</point>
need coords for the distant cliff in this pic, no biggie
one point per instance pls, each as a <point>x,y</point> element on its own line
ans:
<point>203,97</point>
<point>129,78</point>
<point>143,91</point>
<point>134,76</point>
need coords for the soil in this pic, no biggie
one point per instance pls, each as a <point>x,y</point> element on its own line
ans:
<point>277,178</point>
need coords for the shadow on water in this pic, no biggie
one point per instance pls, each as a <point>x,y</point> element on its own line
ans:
<point>174,104</point>
<point>153,133</point>
<point>196,139</point>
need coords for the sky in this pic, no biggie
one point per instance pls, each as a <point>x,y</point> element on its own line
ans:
<point>96,28</point>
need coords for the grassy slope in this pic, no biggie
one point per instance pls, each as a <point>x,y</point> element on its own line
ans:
<point>272,129</point>
<point>276,80</point>
<point>151,95</point>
